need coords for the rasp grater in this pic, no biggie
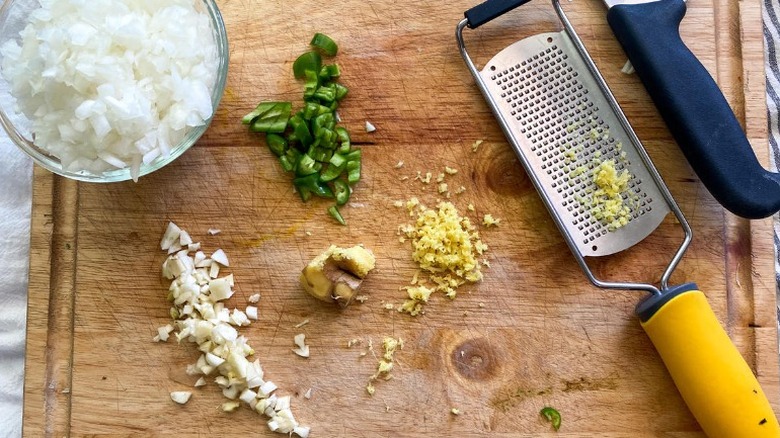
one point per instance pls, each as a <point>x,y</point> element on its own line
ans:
<point>563,122</point>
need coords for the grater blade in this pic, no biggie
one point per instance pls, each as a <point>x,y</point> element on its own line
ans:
<point>561,125</point>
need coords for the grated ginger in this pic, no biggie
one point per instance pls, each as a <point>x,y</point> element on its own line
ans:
<point>489,221</point>
<point>607,200</point>
<point>386,363</point>
<point>447,247</point>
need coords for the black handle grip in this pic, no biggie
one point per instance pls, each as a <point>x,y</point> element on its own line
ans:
<point>694,108</point>
<point>482,13</point>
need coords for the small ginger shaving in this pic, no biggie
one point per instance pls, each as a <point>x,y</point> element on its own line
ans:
<point>385,365</point>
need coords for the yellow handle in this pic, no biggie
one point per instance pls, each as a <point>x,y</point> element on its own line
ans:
<point>716,383</point>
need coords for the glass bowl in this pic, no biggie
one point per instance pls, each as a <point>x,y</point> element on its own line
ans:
<point>14,17</point>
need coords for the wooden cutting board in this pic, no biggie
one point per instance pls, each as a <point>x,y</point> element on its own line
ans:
<point>533,333</point>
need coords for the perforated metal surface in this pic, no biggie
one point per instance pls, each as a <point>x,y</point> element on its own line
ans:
<point>562,128</point>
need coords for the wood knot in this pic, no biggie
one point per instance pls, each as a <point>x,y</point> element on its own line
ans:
<point>505,176</point>
<point>475,359</point>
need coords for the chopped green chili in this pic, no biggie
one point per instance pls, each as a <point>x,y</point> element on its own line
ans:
<point>313,185</point>
<point>269,117</point>
<point>311,86</point>
<point>338,160</point>
<point>287,166</point>
<point>353,171</point>
<point>305,166</point>
<point>301,131</point>
<point>277,144</point>
<point>335,214</point>
<point>309,143</point>
<point>326,93</point>
<point>341,91</point>
<point>326,121</point>
<point>332,172</point>
<point>328,72</point>
<point>341,190</point>
<point>354,155</point>
<point>346,143</point>
<point>553,416</point>
<point>324,43</point>
<point>309,61</point>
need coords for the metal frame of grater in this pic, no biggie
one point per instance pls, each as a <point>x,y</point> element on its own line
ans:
<point>565,48</point>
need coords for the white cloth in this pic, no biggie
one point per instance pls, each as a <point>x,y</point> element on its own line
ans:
<point>15,204</point>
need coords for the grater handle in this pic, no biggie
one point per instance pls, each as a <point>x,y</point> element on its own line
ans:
<point>712,377</point>
<point>697,114</point>
<point>484,12</point>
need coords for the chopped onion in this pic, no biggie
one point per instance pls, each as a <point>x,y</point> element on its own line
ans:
<point>200,382</point>
<point>251,312</point>
<point>253,299</point>
<point>109,85</point>
<point>370,127</point>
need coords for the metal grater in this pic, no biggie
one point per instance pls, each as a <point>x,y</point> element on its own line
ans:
<point>562,121</point>
<point>558,113</point>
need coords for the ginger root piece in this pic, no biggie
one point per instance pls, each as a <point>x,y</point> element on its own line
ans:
<point>336,274</point>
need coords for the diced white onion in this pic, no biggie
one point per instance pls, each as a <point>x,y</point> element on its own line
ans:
<point>108,84</point>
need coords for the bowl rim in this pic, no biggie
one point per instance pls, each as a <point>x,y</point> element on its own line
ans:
<point>118,175</point>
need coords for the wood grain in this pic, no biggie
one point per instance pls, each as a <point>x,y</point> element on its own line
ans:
<point>544,335</point>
